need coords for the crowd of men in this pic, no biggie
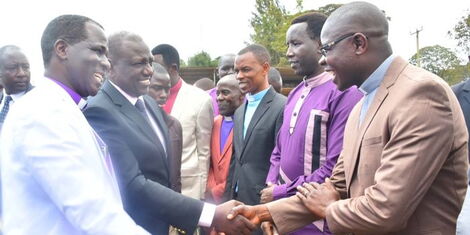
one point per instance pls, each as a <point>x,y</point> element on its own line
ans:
<point>112,140</point>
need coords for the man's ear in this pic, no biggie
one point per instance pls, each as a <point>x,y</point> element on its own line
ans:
<point>361,43</point>
<point>60,48</point>
<point>173,69</point>
<point>266,68</point>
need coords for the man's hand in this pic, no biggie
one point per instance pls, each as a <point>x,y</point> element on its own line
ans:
<point>267,194</point>
<point>268,228</point>
<point>318,197</point>
<point>236,225</point>
<point>256,214</point>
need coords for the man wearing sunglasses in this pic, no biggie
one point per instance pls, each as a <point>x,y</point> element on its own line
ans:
<point>402,169</point>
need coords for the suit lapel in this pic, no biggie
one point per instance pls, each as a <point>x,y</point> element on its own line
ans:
<point>263,106</point>
<point>227,146</point>
<point>129,110</point>
<point>238,128</point>
<point>391,76</point>
<point>158,117</point>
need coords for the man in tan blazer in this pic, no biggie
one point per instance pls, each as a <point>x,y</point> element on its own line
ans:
<point>402,168</point>
<point>193,109</point>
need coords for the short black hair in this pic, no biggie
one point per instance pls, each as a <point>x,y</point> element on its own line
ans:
<point>6,48</point>
<point>314,20</point>
<point>115,42</point>
<point>259,51</point>
<point>169,53</point>
<point>70,28</point>
<point>158,68</point>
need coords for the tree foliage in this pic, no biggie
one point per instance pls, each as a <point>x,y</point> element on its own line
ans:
<point>437,59</point>
<point>270,23</point>
<point>201,59</point>
<point>269,15</point>
<point>461,33</point>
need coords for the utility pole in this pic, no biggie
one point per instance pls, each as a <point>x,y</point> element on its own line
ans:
<point>418,58</point>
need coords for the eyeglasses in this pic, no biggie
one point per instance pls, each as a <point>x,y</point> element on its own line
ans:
<point>327,47</point>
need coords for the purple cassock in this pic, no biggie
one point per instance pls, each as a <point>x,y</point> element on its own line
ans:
<point>311,137</point>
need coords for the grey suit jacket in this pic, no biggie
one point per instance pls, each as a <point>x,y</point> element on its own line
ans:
<point>251,155</point>
<point>140,162</point>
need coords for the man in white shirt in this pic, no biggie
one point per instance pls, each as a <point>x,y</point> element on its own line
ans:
<point>59,177</point>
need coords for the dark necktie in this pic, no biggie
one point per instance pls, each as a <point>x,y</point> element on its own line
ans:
<point>5,108</point>
<point>141,107</point>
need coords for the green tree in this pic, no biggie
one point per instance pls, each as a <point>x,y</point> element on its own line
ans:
<point>201,59</point>
<point>457,74</point>
<point>270,23</point>
<point>437,59</point>
<point>461,33</point>
<point>267,19</point>
<point>182,63</point>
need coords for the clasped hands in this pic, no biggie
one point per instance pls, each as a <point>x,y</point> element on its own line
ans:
<point>315,197</point>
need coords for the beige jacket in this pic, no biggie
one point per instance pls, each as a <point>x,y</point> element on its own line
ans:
<point>403,170</point>
<point>193,108</point>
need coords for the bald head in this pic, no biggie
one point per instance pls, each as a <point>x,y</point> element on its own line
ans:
<point>204,83</point>
<point>229,95</point>
<point>226,64</point>
<point>117,44</point>
<point>355,43</point>
<point>357,17</point>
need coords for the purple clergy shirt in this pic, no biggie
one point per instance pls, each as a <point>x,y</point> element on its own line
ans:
<point>311,136</point>
<point>81,103</point>
<point>213,93</point>
<point>226,127</point>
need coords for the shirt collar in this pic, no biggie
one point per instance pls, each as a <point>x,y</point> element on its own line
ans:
<point>374,80</point>
<point>176,87</point>
<point>14,97</point>
<point>258,96</point>
<point>73,94</point>
<point>130,98</point>
<point>317,80</point>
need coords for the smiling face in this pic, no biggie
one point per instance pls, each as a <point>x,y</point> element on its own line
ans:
<point>302,50</point>
<point>340,60</point>
<point>251,74</point>
<point>132,70</point>
<point>229,96</point>
<point>87,63</point>
<point>14,71</point>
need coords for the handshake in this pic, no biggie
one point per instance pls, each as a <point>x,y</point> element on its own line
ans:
<point>235,218</point>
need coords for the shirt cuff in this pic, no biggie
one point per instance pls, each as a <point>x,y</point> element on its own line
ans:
<point>207,215</point>
<point>279,191</point>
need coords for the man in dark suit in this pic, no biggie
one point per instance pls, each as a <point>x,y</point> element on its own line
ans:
<point>256,124</point>
<point>462,91</point>
<point>133,127</point>
<point>159,90</point>
<point>14,77</point>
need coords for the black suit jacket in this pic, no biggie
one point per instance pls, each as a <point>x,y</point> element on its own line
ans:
<point>175,132</point>
<point>462,91</point>
<point>140,162</point>
<point>251,155</point>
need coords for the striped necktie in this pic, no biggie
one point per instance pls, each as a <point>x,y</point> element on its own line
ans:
<point>5,108</point>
